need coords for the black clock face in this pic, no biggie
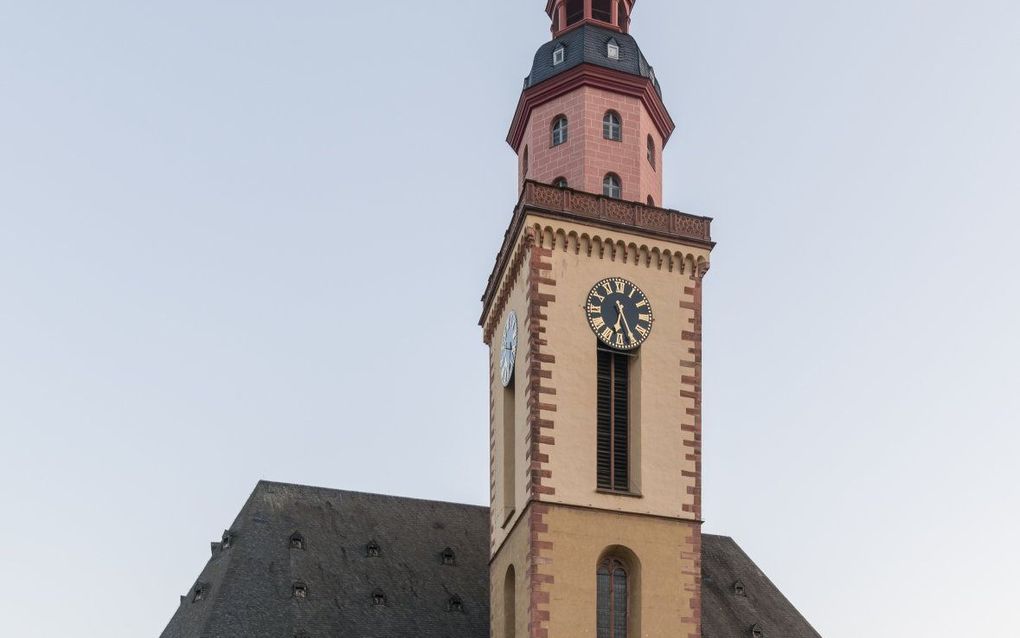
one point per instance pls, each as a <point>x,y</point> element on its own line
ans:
<point>619,313</point>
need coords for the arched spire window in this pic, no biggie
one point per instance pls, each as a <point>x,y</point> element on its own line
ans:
<point>612,599</point>
<point>524,162</point>
<point>611,186</point>
<point>612,126</point>
<point>575,11</point>
<point>559,130</point>
<point>650,154</point>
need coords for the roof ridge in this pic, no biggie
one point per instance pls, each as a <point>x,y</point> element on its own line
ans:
<point>318,488</point>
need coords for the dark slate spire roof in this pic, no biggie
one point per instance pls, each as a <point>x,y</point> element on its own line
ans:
<point>587,44</point>
<point>249,587</point>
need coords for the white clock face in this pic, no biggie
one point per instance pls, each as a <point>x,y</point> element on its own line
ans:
<point>508,355</point>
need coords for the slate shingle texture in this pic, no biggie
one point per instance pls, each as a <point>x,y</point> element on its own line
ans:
<point>250,586</point>
<point>588,45</point>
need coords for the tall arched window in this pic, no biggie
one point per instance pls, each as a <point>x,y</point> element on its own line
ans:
<point>612,128</point>
<point>559,130</point>
<point>612,598</point>
<point>621,16</point>
<point>510,603</point>
<point>601,10</point>
<point>524,162</point>
<point>651,151</point>
<point>651,201</point>
<point>611,186</point>
<point>560,182</point>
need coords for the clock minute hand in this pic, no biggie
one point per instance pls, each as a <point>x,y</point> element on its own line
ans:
<point>626,324</point>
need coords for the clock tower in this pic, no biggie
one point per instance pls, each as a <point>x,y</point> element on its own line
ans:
<point>593,318</point>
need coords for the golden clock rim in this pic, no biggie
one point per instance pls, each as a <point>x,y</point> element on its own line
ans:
<point>591,322</point>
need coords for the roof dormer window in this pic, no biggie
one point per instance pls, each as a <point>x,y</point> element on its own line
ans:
<point>455,604</point>
<point>613,50</point>
<point>448,557</point>
<point>559,55</point>
<point>757,632</point>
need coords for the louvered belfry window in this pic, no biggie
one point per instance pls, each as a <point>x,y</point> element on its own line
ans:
<point>613,421</point>
<point>612,600</point>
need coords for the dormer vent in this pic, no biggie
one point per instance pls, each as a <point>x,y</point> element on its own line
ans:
<point>739,589</point>
<point>757,632</point>
<point>297,541</point>
<point>559,55</point>
<point>228,540</point>
<point>201,592</point>
<point>378,598</point>
<point>372,550</point>
<point>613,49</point>
<point>448,557</point>
<point>455,604</point>
<point>300,590</point>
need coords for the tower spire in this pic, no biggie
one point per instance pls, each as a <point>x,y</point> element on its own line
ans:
<point>591,115</point>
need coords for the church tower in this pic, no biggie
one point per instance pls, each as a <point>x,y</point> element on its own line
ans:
<point>592,315</point>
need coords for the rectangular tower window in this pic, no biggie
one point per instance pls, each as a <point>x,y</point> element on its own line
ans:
<point>613,408</point>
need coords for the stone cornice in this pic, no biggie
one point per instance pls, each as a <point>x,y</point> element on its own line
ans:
<point>593,210</point>
<point>598,77</point>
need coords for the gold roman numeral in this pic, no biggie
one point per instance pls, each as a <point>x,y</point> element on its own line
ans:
<point>641,330</point>
<point>642,303</point>
<point>621,287</point>
<point>607,334</point>
<point>598,323</point>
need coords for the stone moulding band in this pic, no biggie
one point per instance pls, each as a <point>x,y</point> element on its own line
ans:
<point>615,214</point>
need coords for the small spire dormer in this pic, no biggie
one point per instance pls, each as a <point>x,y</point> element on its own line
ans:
<point>568,14</point>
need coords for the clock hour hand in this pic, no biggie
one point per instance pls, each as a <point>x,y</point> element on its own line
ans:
<point>630,335</point>
<point>619,317</point>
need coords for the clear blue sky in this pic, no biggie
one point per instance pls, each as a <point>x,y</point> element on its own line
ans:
<point>230,231</point>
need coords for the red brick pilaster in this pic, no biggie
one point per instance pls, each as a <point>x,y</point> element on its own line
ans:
<point>692,424</point>
<point>692,300</point>
<point>541,409</point>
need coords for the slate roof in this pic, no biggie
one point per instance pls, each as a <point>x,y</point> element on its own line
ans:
<point>587,45</point>
<point>248,585</point>
<point>251,583</point>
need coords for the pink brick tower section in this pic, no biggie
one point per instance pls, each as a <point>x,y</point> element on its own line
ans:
<point>584,160</point>
<point>591,114</point>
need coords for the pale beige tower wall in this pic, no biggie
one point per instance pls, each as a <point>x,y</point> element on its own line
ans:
<point>556,546</point>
